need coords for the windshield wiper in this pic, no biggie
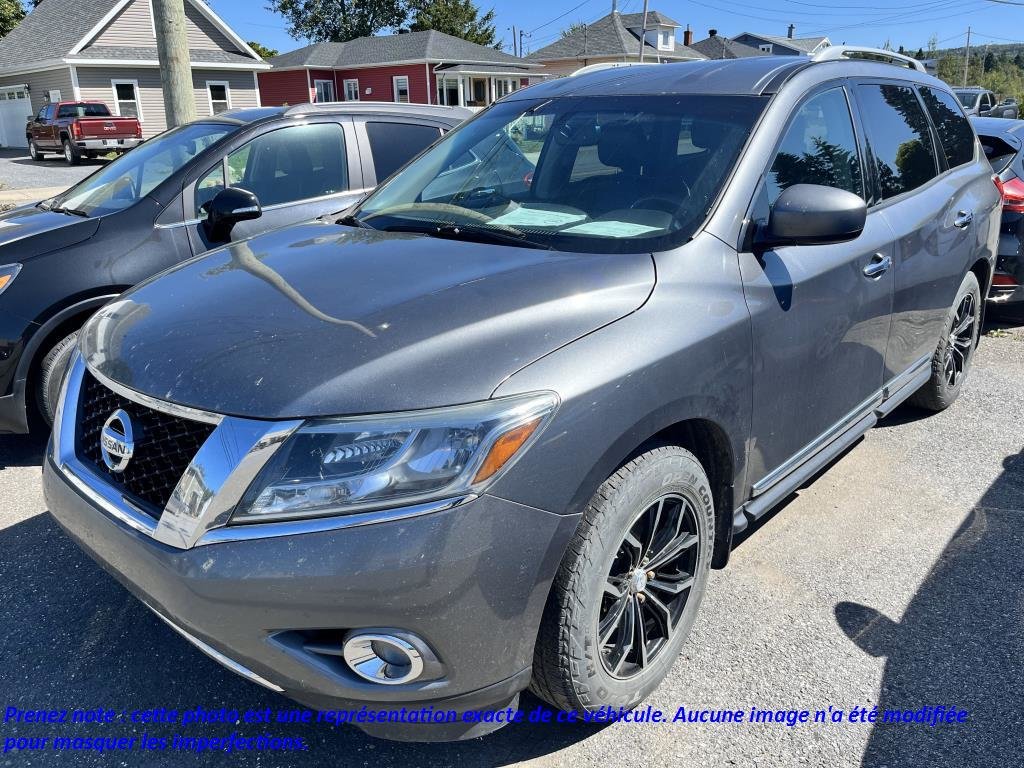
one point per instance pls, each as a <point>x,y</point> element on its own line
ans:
<point>70,211</point>
<point>352,221</point>
<point>471,233</point>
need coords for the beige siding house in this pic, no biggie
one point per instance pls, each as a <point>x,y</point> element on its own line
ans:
<point>105,50</point>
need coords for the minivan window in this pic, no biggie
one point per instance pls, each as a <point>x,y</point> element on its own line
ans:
<point>819,147</point>
<point>899,136</point>
<point>135,174</point>
<point>610,174</point>
<point>392,144</point>
<point>954,131</point>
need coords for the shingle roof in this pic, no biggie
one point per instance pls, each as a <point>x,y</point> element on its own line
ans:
<point>52,29</point>
<point>718,47</point>
<point>805,44</point>
<point>495,69</point>
<point>196,56</point>
<point>428,45</point>
<point>609,36</point>
<point>654,19</point>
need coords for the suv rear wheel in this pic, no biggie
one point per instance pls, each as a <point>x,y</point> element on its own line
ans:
<point>952,359</point>
<point>628,590</point>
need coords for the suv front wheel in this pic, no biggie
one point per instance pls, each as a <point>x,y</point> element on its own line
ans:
<point>628,589</point>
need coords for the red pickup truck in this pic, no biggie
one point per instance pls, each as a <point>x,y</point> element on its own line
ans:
<point>80,129</point>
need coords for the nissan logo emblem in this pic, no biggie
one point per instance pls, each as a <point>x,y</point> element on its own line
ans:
<point>117,441</point>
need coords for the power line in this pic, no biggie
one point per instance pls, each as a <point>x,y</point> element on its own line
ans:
<point>559,16</point>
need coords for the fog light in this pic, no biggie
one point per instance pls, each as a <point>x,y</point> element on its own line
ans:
<point>383,659</point>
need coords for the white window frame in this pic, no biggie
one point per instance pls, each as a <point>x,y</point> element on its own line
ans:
<point>354,84</point>
<point>316,94</point>
<point>209,96</point>
<point>394,89</point>
<point>665,40</point>
<point>138,96</point>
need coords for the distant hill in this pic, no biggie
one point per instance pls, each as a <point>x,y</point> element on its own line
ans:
<point>1003,49</point>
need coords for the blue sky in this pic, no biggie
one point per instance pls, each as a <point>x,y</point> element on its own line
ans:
<point>866,22</point>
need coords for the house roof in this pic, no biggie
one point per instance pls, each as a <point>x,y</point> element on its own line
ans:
<point>718,47</point>
<point>654,19</point>
<point>612,35</point>
<point>486,69</point>
<point>60,29</point>
<point>427,45</point>
<point>805,44</point>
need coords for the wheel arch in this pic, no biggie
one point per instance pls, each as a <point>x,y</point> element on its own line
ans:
<point>982,270</point>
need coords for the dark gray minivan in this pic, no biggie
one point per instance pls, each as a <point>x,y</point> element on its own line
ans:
<point>481,436</point>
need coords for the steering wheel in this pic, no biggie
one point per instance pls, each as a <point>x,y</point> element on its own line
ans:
<point>663,203</point>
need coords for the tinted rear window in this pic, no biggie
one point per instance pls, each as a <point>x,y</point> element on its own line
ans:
<point>998,152</point>
<point>900,138</point>
<point>954,131</point>
<point>83,110</point>
<point>394,144</point>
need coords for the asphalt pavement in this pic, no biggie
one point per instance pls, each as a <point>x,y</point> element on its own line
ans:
<point>893,580</point>
<point>19,171</point>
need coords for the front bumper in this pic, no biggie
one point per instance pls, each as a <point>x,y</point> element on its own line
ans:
<point>107,145</point>
<point>469,580</point>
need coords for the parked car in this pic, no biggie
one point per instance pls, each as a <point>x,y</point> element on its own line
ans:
<point>982,103</point>
<point>150,209</point>
<point>464,441</point>
<point>1003,141</point>
<point>80,129</point>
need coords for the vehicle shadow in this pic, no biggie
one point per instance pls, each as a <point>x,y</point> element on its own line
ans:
<point>958,644</point>
<point>74,638</point>
<point>23,450</point>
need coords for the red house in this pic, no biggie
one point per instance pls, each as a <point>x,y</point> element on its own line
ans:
<point>427,67</point>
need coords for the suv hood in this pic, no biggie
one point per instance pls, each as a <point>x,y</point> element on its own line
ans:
<point>317,320</point>
<point>48,231</point>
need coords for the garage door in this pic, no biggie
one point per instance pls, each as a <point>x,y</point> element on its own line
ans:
<point>15,111</point>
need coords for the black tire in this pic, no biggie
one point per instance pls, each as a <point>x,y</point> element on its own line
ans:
<point>71,154</point>
<point>51,375</point>
<point>952,359</point>
<point>572,666</point>
<point>33,151</point>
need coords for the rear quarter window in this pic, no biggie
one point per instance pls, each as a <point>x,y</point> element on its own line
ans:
<point>392,145</point>
<point>899,136</point>
<point>951,124</point>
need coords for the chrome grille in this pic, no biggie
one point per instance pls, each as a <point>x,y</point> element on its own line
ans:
<point>163,450</point>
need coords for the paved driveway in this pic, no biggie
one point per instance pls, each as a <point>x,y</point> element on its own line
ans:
<point>894,579</point>
<point>19,171</point>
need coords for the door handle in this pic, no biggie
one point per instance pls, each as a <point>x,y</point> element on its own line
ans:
<point>878,266</point>
<point>963,219</point>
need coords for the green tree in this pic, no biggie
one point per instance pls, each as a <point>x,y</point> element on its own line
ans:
<point>1018,61</point>
<point>339,20</point>
<point>262,50</point>
<point>11,14</point>
<point>460,18</point>
<point>990,61</point>
<point>920,54</point>
<point>572,29</point>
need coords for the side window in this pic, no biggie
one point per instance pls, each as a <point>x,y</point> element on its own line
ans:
<point>290,164</point>
<point>819,147</point>
<point>899,136</point>
<point>954,131</point>
<point>392,145</point>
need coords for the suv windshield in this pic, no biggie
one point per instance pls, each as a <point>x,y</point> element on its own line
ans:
<point>135,174</point>
<point>585,174</point>
<point>967,98</point>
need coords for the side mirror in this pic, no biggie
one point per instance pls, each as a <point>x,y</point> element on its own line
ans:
<point>809,214</point>
<point>227,208</point>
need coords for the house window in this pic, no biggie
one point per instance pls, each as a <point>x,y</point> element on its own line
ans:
<point>351,90</point>
<point>766,47</point>
<point>324,90</point>
<point>126,98</point>
<point>666,39</point>
<point>401,89</point>
<point>219,94</point>
<point>503,86</point>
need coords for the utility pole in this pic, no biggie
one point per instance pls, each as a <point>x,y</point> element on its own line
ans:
<point>967,58</point>
<point>515,51</point>
<point>175,67</point>
<point>521,33</point>
<point>643,33</point>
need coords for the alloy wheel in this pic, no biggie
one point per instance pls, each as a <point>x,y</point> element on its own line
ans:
<point>961,339</point>
<point>648,586</point>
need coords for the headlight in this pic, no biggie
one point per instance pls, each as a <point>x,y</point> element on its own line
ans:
<point>7,274</point>
<point>341,466</point>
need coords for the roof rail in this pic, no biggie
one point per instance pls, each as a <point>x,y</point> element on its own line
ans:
<point>369,106</point>
<point>609,65</point>
<point>837,52</point>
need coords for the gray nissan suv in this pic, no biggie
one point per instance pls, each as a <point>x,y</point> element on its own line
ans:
<point>491,428</point>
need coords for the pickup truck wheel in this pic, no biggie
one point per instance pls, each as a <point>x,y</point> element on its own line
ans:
<point>33,151</point>
<point>952,359</point>
<point>628,589</point>
<point>51,375</point>
<point>71,153</point>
